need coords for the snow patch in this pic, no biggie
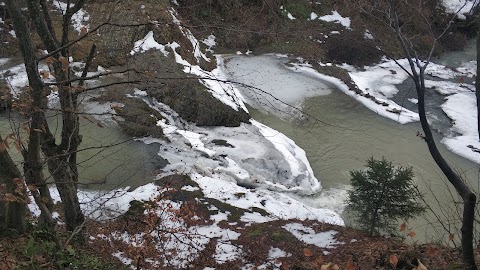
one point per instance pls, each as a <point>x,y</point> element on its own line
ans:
<point>148,43</point>
<point>309,236</point>
<point>459,7</point>
<point>336,18</point>
<point>461,109</point>
<point>79,19</point>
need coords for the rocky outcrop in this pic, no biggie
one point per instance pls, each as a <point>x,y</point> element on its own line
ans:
<point>160,76</point>
<point>183,92</point>
<point>195,104</point>
<point>139,119</point>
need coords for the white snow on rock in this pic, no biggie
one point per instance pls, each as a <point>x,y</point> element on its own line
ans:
<point>79,19</point>
<point>215,80</point>
<point>190,188</point>
<point>274,162</point>
<point>289,15</point>
<point>379,81</point>
<point>275,253</point>
<point>148,43</point>
<point>461,108</point>
<point>413,100</point>
<point>468,69</point>
<point>437,70</point>
<point>294,155</point>
<point>255,217</point>
<point>272,261</point>
<point>278,205</point>
<point>367,35</point>
<point>197,52</point>
<point>17,79</point>
<point>193,138</point>
<point>336,18</point>
<point>448,88</point>
<point>255,155</point>
<point>459,7</point>
<point>210,42</point>
<point>309,236</point>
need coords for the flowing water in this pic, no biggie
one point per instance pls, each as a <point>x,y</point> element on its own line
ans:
<point>345,134</point>
<point>107,158</point>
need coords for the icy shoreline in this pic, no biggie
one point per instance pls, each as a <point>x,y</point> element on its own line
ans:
<point>379,81</point>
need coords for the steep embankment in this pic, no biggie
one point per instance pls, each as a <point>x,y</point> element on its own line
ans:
<point>327,31</point>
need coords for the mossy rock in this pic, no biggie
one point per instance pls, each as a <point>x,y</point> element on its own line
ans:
<point>166,82</point>
<point>195,104</point>
<point>115,43</point>
<point>140,119</point>
<point>351,48</point>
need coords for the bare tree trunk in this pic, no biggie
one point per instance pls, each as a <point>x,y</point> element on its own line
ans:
<point>468,197</point>
<point>477,82</point>
<point>33,162</point>
<point>12,214</point>
<point>62,158</point>
<point>63,176</point>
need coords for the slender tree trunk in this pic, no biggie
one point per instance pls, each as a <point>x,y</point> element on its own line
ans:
<point>33,162</point>
<point>68,193</point>
<point>469,199</point>
<point>12,214</point>
<point>60,158</point>
<point>477,82</point>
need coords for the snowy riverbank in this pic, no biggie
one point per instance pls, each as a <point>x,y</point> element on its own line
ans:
<point>380,82</point>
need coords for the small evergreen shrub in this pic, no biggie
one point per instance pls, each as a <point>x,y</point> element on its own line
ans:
<point>381,195</point>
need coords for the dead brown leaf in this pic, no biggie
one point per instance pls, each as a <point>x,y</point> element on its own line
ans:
<point>432,251</point>
<point>393,260</point>
<point>351,266</point>
<point>307,252</point>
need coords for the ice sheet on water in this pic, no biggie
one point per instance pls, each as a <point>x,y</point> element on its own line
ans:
<point>268,84</point>
<point>461,108</point>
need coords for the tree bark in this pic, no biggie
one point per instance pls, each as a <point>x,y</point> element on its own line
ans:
<point>61,158</point>
<point>469,199</point>
<point>477,82</point>
<point>33,162</point>
<point>12,214</point>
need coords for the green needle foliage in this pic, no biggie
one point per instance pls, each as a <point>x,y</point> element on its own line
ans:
<point>381,195</point>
